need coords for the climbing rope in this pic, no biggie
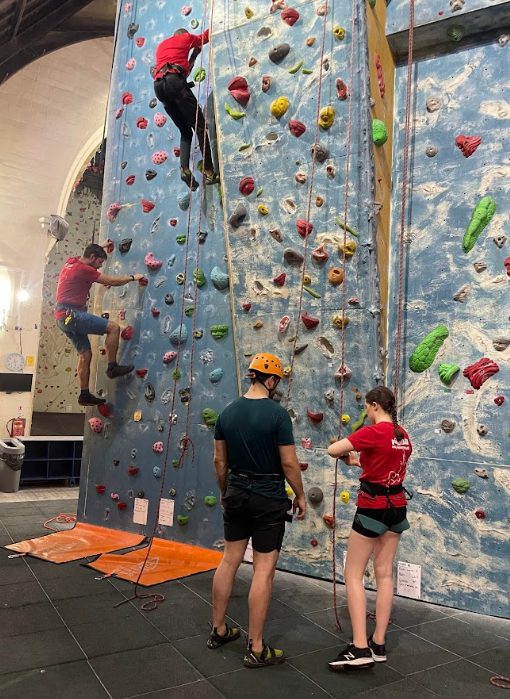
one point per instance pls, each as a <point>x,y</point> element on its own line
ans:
<point>344,257</point>
<point>501,682</point>
<point>153,599</point>
<point>405,185</point>
<point>62,518</point>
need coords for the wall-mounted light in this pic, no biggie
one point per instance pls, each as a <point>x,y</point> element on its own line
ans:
<point>23,295</point>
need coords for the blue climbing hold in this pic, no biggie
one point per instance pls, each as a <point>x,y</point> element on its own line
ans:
<point>156,471</point>
<point>219,278</point>
<point>216,375</point>
<point>182,331</point>
<point>183,200</point>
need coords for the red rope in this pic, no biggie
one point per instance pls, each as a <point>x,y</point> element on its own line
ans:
<point>310,193</point>
<point>405,184</point>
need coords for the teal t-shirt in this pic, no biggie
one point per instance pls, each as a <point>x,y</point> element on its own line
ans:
<point>253,429</point>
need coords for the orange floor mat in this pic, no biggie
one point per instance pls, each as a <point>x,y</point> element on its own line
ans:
<point>73,544</point>
<point>168,560</point>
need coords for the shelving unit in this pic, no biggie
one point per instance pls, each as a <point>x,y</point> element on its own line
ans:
<point>52,459</point>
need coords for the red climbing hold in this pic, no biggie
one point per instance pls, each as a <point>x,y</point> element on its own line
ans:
<point>290,16</point>
<point>303,228</point>
<point>143,281</point>
<point>283,324</point>
<point>303,466</point>
<point>314,542</point>
<point>177,151</point>
<point>122,505</point>
<point>110,246</point>
<point>142,123</point>
<point>155,312</point>
<point>100,488</point>
<point>238,88</point>
<point>479,372</point>
<point>297,128</point>
<point>130,179</point>
<point>280,279</point>
<point>133,470</point>
<point>247,185</point>
<point>320,254</point>
<point>142,373</point>
<point>499,400</point>
<point>341,89</point>
<point>119,112</point>
<point>246,307</point>
<point>147,206</point>
<point>113,210</point>
<point>267,81</point>
<point>104,410</point>
<point>315,417</point>
<point>306,442</point>
<point>309,322</point>
<point>468,144</point>
<point>140,41</point>
<point>507,265</point>
<point>127,98</point>
<point>480,514</point>
<point>328,520</point>
<point>127,333</point>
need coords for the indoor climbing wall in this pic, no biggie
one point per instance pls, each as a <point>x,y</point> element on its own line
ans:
<point>56,389</point>
<point>455,369</point>
<point>176,325</point>
<point>271,66</point>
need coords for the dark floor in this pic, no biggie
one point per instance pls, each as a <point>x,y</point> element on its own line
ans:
<point>57,424</point>
<point>63,638</point>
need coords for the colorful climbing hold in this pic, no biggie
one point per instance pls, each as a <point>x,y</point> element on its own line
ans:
<point>336,276</point>
<point>210,416</point>
<point>344,496</point>
<point>461,485</point>
<point>151,263</point>
<point>247,185</point>
<point>233,112</point>
<point>210,500</point>
<point>283,324</point>
<point>359,422</point>
<point>456,32</point>
<point>480,218</point>
<point>309,321</point>
<point>447,372</point>
<point>127,333</point>
<point>425,352</point>
<point>262,209</point>
<point>290,16</point>
<point>219,331</point>
<point>219,279</point>
<point>179,336</point>
<point>96,424</point>
<point>326,117</point>
<point>480,371</point>
<point>279,107</point>
<point>238,88</point>
<point>159,157</point>
<point>315,417</point>
<point>280,279</point>
<point>199,277</point>
<point>379,132</point>
<point>467,144</point>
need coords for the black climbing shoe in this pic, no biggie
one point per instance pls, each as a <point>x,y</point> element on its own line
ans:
<point>267,656</point>
<point>188,178</point>
<point>353,657</point>
<point>216,641</point>
<point>212,179</point>
<point>119,370</point>
<point>89,399</point>
<point>378,652</point>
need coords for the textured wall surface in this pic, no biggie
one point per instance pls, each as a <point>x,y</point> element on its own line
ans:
<point>428,11</point>
<point>465,560</point>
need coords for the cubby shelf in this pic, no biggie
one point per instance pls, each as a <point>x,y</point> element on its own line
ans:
<point>51,459</point>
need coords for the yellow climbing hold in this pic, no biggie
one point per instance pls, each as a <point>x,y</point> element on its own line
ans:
<point>289,492</point>
<point>345,419</point>
<point>137,416</point>
<point>340,322</point>
<point>248,13</point>
<point>307,279</point>
<point>344,496</point>
<point>286,371</point>
<point>263,210</point>
<point>339,33</point>
<point>326,117</point>
<point>279,107</point>
<point>350,248</point>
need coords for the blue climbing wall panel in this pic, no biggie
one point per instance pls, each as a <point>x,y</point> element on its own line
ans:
<point>261,146</point>
<point>108,455</point>
<point>465,560</point>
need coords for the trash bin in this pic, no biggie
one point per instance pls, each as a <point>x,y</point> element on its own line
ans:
<point>12,453</point>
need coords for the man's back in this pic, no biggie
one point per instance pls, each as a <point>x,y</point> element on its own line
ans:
<point>176,49</point>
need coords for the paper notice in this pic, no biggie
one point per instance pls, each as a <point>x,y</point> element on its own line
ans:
<point>140,511</point>
<point>166,512</point>
<point>409,580</point>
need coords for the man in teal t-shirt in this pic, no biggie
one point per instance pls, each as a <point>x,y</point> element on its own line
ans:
<point>254,454</point>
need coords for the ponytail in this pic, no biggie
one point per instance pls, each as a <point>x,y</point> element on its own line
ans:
<point>399,435</point>
<point>385,398</point>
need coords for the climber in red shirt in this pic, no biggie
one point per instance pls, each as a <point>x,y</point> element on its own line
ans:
<point>381,516</point>
<point>76,278</point>
<point>173,66</point>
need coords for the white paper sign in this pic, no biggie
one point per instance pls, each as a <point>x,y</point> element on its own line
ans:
<point>140,511</point>
<point>248,554</point>
<point>409,580</point>
<point>166,512</point>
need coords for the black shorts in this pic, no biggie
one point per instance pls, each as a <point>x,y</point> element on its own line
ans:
<point>247,514</point>
<point>389,517</point>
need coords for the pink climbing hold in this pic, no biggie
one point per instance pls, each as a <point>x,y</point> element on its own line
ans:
<point>309,321</point>
<point>126,98</point>
<point>247,185</point>
<point>468,144</point>
<point>322,10</point>
<point>142,123</point>
<point>159,119</point>
<point>499,400</point>
<point>341,89</point>
<point>283,324</point>
<point>300,177</point>
<point>304,228</point>
<point>280,279</point>
<point>380,76</point>
<point>315,417</point>
<point>130,64</point>
<point>119,112</point>
<point>306,442</point>
<point>267,81</point>
<point>177,151</point>
<point>169,357</point>
<point>96,424</point>
<point>343,371</point>
<point>113,210</point>
<point>186,10</point>
<point>480,371</point>
<point>159,157</point>
<point>507,265</point>
<point>158,447</point>
<point>320,254</point>
<point>297,128</point>
<point>140,41</point>
<point>290,16</point>
<point>147,206</point>
<point>151,262</point>
<point>238,88</point>
<point>114,496</point>
<point>277,5</point>
<point>127,333</point>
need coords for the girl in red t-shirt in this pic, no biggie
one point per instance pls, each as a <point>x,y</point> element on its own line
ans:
<point>380,518</point>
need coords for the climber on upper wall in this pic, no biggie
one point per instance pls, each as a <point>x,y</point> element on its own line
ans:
<point>173,66</point>
<point>76,278</point>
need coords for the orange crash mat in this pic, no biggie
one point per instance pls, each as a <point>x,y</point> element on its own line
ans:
<point>168,560</point>
<point>73,544</point>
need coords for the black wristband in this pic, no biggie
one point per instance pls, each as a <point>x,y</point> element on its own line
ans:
<point>132,277</point>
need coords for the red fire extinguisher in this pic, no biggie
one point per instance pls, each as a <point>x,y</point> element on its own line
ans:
<point>17,427</point>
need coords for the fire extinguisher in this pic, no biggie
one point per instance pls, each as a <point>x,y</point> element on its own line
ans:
<point>16,427</point>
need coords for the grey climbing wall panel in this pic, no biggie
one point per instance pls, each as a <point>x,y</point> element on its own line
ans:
<point>464,556</point>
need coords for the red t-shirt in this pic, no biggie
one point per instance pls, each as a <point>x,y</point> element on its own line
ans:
<point>383,460</point>
<point>177,48</point>
<point>74,284</point>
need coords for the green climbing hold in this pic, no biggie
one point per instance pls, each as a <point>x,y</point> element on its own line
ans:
<point>176,463</point>
<point>447,372</point>
<point>307,71</point>
<point>182,519</point>
<point>380,132</point>
<point>456,32</point>
<point>210,416</point>
<point>180,239</point>
<point>199,277</point>
<point>199,75</point>
<point>425,353</point>
<point>219,331</point>
<point>461,485</point>
<point>311,292</point>
<point>359,422</point>
<point>189,310</point>
<point>233,113</point>
<point>480,218</point>
<point>210,500</point>
<point>245,146</point>
<point>176,374</point>
<point>346,228</point>
<point>295,68</point>
<point>259,193</point>
<point>200,166</point>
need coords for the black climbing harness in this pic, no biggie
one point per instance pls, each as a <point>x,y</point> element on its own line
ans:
<point>170,68</point>
<point>251,477</point>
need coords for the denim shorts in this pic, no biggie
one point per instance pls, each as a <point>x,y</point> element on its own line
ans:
<point>80,326</point>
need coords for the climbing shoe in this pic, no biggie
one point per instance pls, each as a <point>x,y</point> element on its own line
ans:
<point>119,370</point>
<point>216,641</point>
<point>353,657</point>
<point>212,179</point>
<point>378,652</point>
<point>188,178</point>
<point>90,399</point>
<point>267,656</point>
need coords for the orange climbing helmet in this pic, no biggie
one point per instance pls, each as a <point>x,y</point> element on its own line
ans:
<point>266,364</point>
